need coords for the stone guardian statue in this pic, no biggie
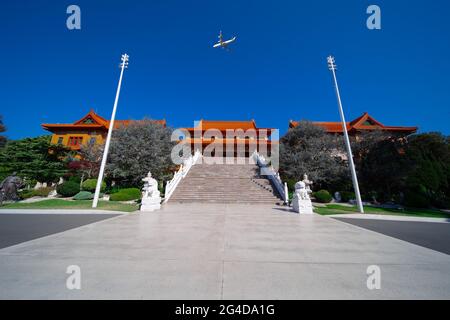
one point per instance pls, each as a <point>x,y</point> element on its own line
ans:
<point>9,188</point>
<point>301,203</point>
<point>151,199</point>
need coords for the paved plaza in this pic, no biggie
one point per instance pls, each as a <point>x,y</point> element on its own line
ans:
<point>213,251</point>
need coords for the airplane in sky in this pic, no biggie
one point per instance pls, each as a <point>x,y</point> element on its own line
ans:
<point>223,44</point>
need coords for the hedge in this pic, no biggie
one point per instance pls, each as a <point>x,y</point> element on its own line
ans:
<point>126,195</point>
<point>323,196</point>
<point>91,184</point>
<point>68,189</point>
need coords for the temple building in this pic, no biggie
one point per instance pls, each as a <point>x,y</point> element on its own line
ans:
<point>92,128</point>
<point>242,138</point>
<point>360,124</point>
<point>212,138</point>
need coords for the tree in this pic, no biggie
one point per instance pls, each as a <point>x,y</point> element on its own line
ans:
<point>88,165</point>
<point>381,164</point>
<point>363,143</point>
<point>414,170</point>
<point>309,149</point>
<point>33,158</point>
<point>140,147</point>
<point>429,172</point>
<point>2,129</point>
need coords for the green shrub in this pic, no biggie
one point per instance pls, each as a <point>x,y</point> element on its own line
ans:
<point>346,196</point>
<point>68,189</point>
<point>291,195</point>
<point>42,192</point>
<point>126,195</point>
<point>112,190</point>
<point>91,184</point>
<point>323,196</point>
<point>291,184</point>
<point>75,178</point>
<point>84,195</point>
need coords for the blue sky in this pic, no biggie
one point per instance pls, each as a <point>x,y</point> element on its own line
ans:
<point>275,72</point>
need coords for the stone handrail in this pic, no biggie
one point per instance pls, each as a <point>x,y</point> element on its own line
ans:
<point>180,175</point>
<point>273,176</point>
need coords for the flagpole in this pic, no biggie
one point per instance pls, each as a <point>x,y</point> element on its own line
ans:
<point>123,65</point>
<point>332,67</point>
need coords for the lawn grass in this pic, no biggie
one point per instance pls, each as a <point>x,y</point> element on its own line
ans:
<point>72,204</point>
<point>340,209</point>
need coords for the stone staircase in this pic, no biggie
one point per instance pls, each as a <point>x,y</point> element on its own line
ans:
<point>225,183</point>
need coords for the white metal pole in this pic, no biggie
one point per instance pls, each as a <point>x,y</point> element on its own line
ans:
<point>123,65</point>
<point>332,67</point>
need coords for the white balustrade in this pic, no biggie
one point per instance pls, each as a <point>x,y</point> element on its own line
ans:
<point>273,176</point>
<point>180,174</point>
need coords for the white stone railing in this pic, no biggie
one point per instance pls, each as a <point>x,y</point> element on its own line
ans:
<point>272,175</point>
<point>180,175</point>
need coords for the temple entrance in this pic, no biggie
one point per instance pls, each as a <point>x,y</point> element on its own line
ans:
<point>229,139</point>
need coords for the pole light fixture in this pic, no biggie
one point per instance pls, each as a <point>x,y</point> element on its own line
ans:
<point>123,66</point>
<point>332,67</point>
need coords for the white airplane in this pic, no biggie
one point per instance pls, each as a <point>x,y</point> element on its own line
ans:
<point>223,44</point>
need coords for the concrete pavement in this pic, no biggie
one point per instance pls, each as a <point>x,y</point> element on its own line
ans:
<point>222,252</point>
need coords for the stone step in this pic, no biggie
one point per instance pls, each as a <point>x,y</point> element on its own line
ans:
<point>224,187</point>
<point>222,183</point>
<point>217,183</point>
<point>187,196</point>
<point>203,200</point>
<point>192,196</point>
<point>262,192</point>
<point>224,193</point>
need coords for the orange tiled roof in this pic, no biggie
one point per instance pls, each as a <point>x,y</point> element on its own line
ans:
<point>224,125</point>
<point>119,123</point>
<point>364,122</point>
<point>98,122</point>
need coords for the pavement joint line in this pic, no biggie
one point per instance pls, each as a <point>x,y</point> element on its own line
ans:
<point>225,261</point>
<point>18,245</point>
<point>385,235</point>
<point>223,279</point>
<point>336,263</point>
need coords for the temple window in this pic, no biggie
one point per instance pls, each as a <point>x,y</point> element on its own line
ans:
<point>75,141</point>
<point>60,140</point>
